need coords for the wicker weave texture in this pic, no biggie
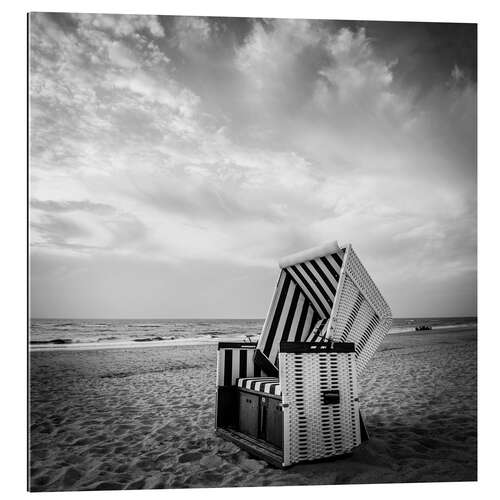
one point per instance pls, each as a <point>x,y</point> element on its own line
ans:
<point>357,272</point>
<point>360,314</point>
<point>313,429</point>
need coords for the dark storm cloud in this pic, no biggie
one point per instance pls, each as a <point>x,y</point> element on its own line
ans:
<point>426,53</point>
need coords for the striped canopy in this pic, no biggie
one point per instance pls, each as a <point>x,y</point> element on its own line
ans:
<point>302,303</point>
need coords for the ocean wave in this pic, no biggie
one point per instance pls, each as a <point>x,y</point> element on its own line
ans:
<point>145,326</point>
<point>459,325</point>
<point>52,341</point>
<point>148,339</point>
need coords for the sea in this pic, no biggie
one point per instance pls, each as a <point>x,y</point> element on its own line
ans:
<point>71,334</point>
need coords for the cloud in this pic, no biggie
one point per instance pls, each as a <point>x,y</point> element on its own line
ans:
<point>191,33</point>
<point>354,72</point>
<point>212,140</point>
<point>119,25</point>
<point>83,226</point>
<point>122,56</point>
<point>66,234</point>
<point>161,92</point>
<point>72,206</point>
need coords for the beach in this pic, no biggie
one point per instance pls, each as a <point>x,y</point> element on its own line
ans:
<point>143,417</point>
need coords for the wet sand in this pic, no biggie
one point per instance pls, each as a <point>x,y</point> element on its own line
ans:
<point>144,418</point>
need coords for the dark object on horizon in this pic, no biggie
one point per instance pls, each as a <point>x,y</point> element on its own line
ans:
<point>422,327</point>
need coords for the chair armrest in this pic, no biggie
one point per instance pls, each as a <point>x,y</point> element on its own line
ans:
<point>234,361</point>
<point>236,345</point>
<point>316,347</point>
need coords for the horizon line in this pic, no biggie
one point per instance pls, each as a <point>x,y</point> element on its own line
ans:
<point>216,318</point>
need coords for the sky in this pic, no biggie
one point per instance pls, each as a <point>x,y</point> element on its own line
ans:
<point>174,160</point>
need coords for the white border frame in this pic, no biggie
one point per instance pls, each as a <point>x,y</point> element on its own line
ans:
<point>14,220</point>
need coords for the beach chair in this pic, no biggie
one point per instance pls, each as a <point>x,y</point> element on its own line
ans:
<point>293,396</point>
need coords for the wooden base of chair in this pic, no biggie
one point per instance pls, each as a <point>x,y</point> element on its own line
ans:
<point>265,451</point>
<point>255,447</point>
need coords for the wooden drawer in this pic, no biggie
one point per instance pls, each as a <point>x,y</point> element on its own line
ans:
<point>272,428</point>
<point>248,410</point>
<point>260,416</point>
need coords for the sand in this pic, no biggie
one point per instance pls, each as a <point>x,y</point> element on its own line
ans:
<point>143,418</point>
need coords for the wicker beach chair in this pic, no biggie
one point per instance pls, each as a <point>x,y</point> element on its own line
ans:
<point>293,395</point>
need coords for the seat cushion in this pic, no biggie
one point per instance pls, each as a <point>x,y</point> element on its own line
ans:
<point>265,385</point>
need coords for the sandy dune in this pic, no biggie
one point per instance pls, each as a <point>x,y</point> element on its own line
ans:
<point>143,418</point>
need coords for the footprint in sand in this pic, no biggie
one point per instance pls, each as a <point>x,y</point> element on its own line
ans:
<point>121,468</point>
<point>107,485</point>
<point>70,477</point>
<point>190,457</point>
<point>80,442</point>
<point>211,461</point>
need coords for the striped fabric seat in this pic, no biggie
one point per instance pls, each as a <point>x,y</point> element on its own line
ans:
<point>266,385</point>
<point>303,297</point>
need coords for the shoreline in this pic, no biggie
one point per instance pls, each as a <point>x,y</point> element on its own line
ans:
<point>141,343</point>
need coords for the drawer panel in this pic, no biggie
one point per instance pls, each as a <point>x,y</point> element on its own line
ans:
<point>273,422</point>
<point>248,406</point>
